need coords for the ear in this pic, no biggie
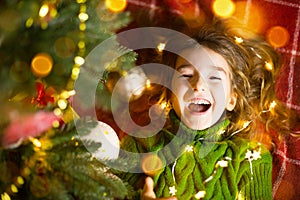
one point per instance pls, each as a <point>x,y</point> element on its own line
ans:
<point>231,102</point>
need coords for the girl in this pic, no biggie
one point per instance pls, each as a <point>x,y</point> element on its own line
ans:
<point>213,157</point>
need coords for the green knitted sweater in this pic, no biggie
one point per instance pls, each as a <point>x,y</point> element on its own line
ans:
<point>204,165</point>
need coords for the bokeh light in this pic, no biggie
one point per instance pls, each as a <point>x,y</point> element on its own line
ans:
<point>151,164</point>
<point>278,36</point>
<point>10,20</point>
<point>19,71</point>
<point>41,64</point>
<point>116,5</point>
<point>64,47</point>
<point>223,8</point>
<point>44,10</point>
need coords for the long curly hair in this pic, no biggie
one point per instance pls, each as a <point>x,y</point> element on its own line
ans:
<point>254,65</point>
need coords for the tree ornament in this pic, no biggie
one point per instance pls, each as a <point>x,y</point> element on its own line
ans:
<point>24,127</point>
<point>43,96</point>
<point>107,138</point>
<point>41,65</point>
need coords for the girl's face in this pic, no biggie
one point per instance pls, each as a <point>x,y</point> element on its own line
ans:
<point>202,92</point>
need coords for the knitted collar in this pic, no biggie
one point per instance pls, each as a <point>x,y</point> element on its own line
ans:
<point>213,133</point>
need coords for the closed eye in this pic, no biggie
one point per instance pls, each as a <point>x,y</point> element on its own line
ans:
<point>186,75</point>
<point>215,78</point>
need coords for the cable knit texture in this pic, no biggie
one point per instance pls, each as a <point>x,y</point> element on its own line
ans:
<point>216,167</point>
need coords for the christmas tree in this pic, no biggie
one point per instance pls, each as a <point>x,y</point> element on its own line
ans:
<point>43,46</point>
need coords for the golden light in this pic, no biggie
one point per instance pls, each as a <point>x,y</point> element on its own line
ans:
<point>41,64</point>
<point>163,105</point>
<point>148,83</point>
<point>35,142</point>
<point>272,105</point>
<point>81,44</point>
<point>246,124</point>
<point>62,104</point>
<point>57,111</point>
<point>75,73</point>
<point>82,27</point>
<point>14,188</point>
<point>79,60</point>
<point>223,8</point>
<point>278,36</point>
<point>116,5</point>
<point>44,10</point>
<point>268,66</point>
<point>20,180</point>
<point>29,22</point>
<point>83,17</point>
<point>161,47</point>
<point>55,124</point>
<point>151,164</point>
<point>238,40</point>
<point>5,196</point>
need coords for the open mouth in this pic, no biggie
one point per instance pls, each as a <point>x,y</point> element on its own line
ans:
<point>199,106</point>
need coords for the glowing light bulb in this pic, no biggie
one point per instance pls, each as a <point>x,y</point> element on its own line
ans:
<point>161,47</point>
<point>20,180</point>
<point>35,142</point>
<point>268,66</point>
<point>200,194</point>
<point>238,40</point>
<point>14,188</point>
<point>246,124</point>
<point>272,105</point>
<point>41,64</point>
<point>62,104</point>
<point>44,10</point>
<point>83,17</point>
<point>116,5</point>
<point>223,8</point>
<point>148,83</point>
<point>79,60</point>
<point>163,105</point>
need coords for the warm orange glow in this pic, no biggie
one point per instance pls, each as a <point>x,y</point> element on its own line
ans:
<point>223,8</point>
<point>151,164</point>
<point>249,16</point>
<point>41,64</point>
<point>278,36</point>
<point>116,5</point>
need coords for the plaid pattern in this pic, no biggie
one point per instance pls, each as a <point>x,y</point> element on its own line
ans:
<point>285,13</point>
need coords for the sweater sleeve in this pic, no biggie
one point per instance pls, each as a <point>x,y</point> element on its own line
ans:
<point>255,175</point>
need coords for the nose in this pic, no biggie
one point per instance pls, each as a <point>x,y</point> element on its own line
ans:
<point>199,84</point>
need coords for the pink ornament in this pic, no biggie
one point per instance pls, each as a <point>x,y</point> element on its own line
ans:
<point>26,126</point>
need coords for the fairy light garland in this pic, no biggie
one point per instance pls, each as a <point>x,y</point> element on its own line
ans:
<point>62,98</point>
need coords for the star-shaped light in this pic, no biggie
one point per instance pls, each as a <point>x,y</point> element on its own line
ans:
<point>189,148</point>
<point>200,194</point>
<point>222,163</point>
<point>172,190</point>
<point>253,155</point>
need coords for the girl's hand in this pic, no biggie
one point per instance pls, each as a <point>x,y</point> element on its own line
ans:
<point>148,192</point>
